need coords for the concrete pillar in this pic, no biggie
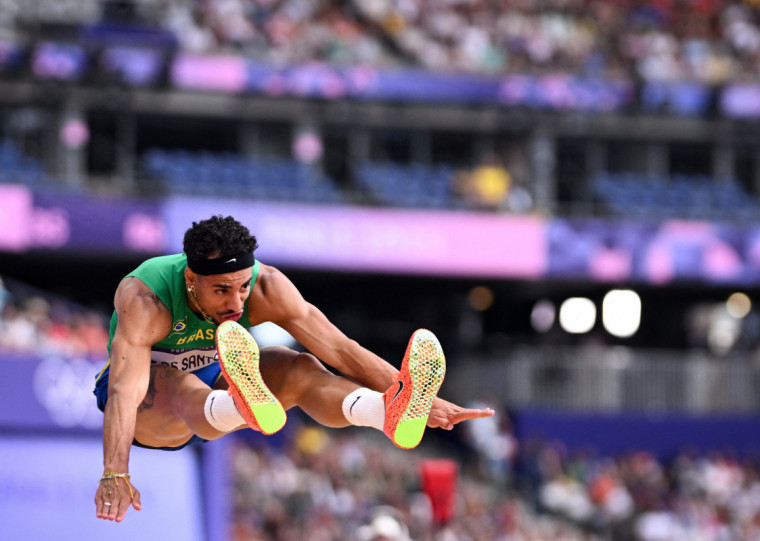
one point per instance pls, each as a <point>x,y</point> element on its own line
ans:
<point>543,161</point>
<point>72,135</point>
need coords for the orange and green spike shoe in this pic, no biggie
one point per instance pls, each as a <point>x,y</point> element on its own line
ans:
<point>408,400</point>
<point>239,359</point>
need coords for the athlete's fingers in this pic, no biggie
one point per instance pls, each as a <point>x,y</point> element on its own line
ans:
<point>103,509</point>
<point>468,414</point>
<point>447,419</point>
<point>128,495</point>
<point>113,509</point>
<point>121,513</point>
<point>103,503</point>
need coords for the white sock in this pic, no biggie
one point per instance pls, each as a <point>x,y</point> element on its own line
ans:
<point>365,407</point>
<point>221,412</point>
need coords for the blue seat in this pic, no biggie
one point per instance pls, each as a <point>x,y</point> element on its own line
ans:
<point>681,196</point>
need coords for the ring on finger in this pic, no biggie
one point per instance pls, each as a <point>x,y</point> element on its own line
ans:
<point>107,503</point>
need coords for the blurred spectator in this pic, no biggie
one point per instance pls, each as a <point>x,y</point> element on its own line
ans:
<point>496,444</point>
<point>31,323</point>
<point>486,187</point>
<point>386,525</point>
<point>5,295</point>
<point>19,332</point>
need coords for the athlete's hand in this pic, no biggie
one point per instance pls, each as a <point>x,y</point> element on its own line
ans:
<point>445,415</point>
<point>120,494</point>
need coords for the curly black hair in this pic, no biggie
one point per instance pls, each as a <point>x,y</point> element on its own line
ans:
<point>218,237</point>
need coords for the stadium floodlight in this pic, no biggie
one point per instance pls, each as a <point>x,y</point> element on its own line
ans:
<point>480,298</point>
<point>542,316</point>
<point>577,315</point>
<point>738,305</point>
<point>621,312</point>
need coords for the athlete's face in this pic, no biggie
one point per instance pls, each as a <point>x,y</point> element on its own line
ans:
<point>222,296</point>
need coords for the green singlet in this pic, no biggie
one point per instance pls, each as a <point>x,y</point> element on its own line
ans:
<point>190,346</point>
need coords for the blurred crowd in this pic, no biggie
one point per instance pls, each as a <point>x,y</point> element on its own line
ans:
<point>636,496</point>
<point>333,485</point>
<point>37,323</point>
<point>706,40</point>
<point>710,497</point>
<point>343,486</point>
<point>277,31</point>
<point>710,41</point>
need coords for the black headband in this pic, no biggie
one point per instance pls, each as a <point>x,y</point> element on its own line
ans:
<point>221,265</point>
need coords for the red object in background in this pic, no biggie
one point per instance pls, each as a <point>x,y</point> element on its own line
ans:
<point>439,481</point>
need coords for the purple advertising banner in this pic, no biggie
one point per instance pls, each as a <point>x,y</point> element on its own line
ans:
<point>97,224</point>
<point>46,395</point>
<point>656,253</point>
<point>230,74</point>
<point>685,98</point>
<point>227,74</point>
<point>741,100</point>
<point>565,93</point>
<point>50,393</point>
<point>662,435</point>
<point>59,475</point>
<point>397,241</point>
<point>485,245</point>
<point>15,217</point>
<point>378,240</point>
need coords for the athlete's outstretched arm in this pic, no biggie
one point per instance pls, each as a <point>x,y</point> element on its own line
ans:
<point>142,323</point>
<point>307,324</point>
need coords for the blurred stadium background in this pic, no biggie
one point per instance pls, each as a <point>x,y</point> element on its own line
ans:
<point>565,191</point>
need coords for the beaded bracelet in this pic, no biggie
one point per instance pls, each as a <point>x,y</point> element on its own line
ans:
<point>115,476</point>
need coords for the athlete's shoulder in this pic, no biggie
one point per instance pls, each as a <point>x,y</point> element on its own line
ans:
<point>136,302</point>
<point>274,296</point>
<point>132,287</point>
<point>134,297</point>
<point>270,279</point>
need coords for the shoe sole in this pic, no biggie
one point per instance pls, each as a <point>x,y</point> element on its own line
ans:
<point>427,367</point>
<point>239,360</point>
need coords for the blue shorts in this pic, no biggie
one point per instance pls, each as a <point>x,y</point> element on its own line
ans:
<point>209,375</point>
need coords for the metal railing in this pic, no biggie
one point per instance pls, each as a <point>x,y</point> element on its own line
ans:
<point>615,379</point>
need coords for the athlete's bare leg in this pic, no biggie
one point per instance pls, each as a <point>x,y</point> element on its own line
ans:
<point>172,410</point>
<point>299,379</point>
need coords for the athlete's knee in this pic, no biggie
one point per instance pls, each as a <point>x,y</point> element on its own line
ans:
<point>302,367</point>
<point>299,371</point>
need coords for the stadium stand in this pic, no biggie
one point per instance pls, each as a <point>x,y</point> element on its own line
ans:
<point>206,173</point>
<point>17,168</point>
<point>678,57</point>
<point>412,185</point>
<point>683,196</point>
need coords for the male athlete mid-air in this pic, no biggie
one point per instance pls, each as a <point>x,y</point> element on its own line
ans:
<point>165,386</point>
